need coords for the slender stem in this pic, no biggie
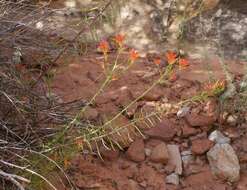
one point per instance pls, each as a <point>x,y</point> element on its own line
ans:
<point>96,135</point>
<point>167,71</point>
<point>77,117</point>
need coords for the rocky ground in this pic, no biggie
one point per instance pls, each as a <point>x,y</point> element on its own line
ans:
<point>196,147</point>
<point>216,28</point>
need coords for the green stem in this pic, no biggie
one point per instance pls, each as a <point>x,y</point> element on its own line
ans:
<point>77,117</point>
<point>167,71</point>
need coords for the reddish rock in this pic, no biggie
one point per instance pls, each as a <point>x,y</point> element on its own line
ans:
<point>151,143</point>
<point>211,107</point>
<point>202,135</point>
<point>197,120</point>
<point>133,185</point>
<point>109,154</point>
<point>107,110</point>
<point>131,111</point>
<point>243,157</point>
<point>160,154</point>
<point>191,91</point>
<point>136,151</point>
<point>232,132</point>
<point>151,177</point>
<point>164,131</point>
<point>103,98</point>
<point>201,146</point>
<point>122,131</point>
<point>243,143</point>
<point>154,95</point>
<point>203,180</point>
<point>124,97</point>
<point>192,169</point>
<point>188,131</point>
<point>131,171</point>
<point>91,114</point>
<point>206,128</point>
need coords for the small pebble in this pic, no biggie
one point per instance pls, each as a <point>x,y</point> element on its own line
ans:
<point>183,112</point>
<point>147,151</point>
<point>232,120</point>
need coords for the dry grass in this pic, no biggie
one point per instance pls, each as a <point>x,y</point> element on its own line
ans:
<point>29,116</point>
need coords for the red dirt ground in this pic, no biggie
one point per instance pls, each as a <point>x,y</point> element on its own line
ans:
<point>81,77</point>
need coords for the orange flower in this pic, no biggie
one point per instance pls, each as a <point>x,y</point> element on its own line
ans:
<point>134,55</point>
<point>119,39</point>
<point>183,62</point>
<point>114,77</point>
<point>66,163</point>
<point>171,57</point>
<point>104,46</point>
<point>157,61</point>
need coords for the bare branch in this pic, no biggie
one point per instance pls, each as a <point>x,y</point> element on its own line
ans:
<point>13,178</point>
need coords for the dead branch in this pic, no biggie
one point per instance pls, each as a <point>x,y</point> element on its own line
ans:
<point>13,178</point>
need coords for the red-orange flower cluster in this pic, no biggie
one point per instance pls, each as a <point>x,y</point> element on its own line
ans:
<point>183,62</point>
<point>171,57</point>
<point>133,55</point>
<point>66,163</point>
<point>119,39</point>
<point>157,61</point>
<point>104,46</point>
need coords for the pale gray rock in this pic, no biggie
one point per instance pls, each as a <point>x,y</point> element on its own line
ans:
<point>226,25</point>
<point>147,151</point>
<point>217,137</point>
<point>187,157</point>
<point>172,179</point>
<point>175,158</point>
<point>183,112</point>
<point>224,162</point>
